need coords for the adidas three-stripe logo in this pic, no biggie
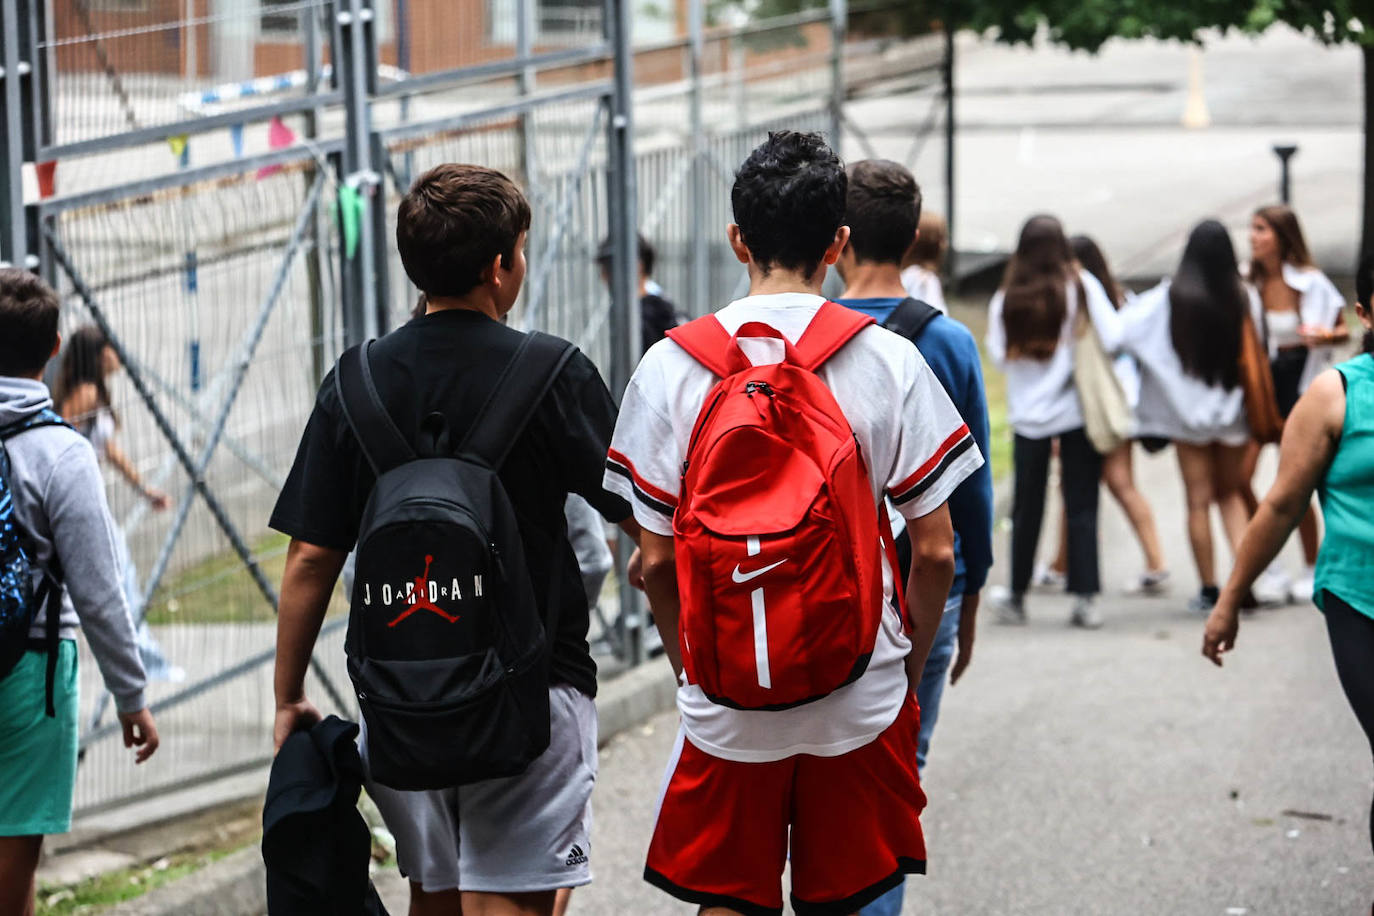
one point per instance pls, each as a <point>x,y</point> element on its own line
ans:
<point>576,856</point>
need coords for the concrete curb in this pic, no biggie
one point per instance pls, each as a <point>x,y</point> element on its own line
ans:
<point>234,886</point>
<point>635,696</point>
<point>237,884</point>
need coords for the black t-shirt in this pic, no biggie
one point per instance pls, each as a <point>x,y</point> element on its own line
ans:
<point>449,362</point>
<point>657,317</point>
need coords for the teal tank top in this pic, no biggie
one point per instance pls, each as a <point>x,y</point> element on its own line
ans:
<point>1345,565</point>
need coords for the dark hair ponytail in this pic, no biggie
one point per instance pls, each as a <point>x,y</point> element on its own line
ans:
<point>1364,293</point>
<point>1208,306</point>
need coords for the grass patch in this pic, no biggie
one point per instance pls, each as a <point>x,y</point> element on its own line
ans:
<point>115,887</point>
<point>973,312</point>
<point>219,588</point>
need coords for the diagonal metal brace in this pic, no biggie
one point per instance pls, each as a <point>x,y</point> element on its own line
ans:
<point>198,482</point>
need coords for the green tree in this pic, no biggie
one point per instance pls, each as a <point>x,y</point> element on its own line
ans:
<point>1088,24</point>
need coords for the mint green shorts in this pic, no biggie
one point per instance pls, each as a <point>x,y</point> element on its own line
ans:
<point>38,753</point>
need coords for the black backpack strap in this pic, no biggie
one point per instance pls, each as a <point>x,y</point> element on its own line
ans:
<point>910,318</point>
<point>523,383</point>
<point>382,443</point>
<point>45,417</point>
<point>49,595</point>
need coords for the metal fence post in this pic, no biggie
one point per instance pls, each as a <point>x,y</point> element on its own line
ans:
<point>948,70</point>
<point>356,54</point>
<point>15,121</point>
<point>701,302</point>
<point>839,30</point>
<point>622,195</point>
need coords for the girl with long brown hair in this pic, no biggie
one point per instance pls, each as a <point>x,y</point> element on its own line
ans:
<point>1031,332</point>
<point>1185,334</point>
<point>1304,320</point>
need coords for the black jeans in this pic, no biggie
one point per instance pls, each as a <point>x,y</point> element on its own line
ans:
<point>1082,471</point>
<point>1352,643</point>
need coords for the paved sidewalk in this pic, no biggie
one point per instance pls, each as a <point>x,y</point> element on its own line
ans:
<point>1111,772</point>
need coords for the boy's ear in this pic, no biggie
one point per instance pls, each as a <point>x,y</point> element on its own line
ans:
<point>737,245</point>
<point>832,254</point>
<point>56,347</point>
<point>491,274</point>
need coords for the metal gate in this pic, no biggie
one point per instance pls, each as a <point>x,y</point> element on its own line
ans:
<point>213,184</point>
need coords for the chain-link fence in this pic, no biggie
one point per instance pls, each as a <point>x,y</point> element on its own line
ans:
<point>213,186</point>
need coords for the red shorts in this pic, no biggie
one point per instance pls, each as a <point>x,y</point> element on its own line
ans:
<point>722,833</point>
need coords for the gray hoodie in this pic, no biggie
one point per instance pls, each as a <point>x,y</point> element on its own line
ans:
<point>59,498</point>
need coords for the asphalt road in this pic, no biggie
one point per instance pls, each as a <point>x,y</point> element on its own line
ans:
<point>1098,140</point>
<point>1108,772</point>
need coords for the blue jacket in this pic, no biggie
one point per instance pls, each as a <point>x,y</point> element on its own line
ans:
<point>952,353</point>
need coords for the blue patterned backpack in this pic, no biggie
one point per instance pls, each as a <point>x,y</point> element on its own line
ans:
<point>19,600</point>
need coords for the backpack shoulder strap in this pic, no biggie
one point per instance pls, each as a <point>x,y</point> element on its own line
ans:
<point>522,385</point>
<point>706,341</point>
<point>910,318</point>
<point>831,328</point>
<point>382,443</point>
<point>45,417</point>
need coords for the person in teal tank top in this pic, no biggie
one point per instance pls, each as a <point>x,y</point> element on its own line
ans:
<point>1328,447</point>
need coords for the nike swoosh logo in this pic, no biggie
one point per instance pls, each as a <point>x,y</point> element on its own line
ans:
<point>742,577</point>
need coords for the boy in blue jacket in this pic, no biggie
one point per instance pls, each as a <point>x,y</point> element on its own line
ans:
<point>883,207</point>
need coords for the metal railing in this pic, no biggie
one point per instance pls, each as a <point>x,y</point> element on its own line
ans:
<point>217,194</point>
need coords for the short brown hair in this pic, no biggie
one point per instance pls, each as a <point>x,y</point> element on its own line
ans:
<point>453,222</point>
<point>932,241</point>
<point>28,322</point>
<point>882,207</point>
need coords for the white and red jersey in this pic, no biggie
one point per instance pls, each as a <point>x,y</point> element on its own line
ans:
<point>917,450</point>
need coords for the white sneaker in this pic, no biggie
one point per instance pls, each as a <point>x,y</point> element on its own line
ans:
<point>1011,609</point>
<point>1085,614</point>
<point>1305,584</point>
<point>1273,587</point>
<point>1149,583</point>
<point>1045,577</point>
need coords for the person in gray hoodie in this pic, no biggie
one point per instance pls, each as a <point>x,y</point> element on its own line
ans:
<point>59,504</point>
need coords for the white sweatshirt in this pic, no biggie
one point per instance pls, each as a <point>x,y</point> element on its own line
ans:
<point>1041,398</point>
<point>1173,404</point>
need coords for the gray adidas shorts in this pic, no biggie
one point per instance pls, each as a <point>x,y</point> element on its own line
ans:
<point>530,832</point>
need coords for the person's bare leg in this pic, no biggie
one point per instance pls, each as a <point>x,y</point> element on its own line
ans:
<point>561,899</point>
<point>1120,479</point>
<point>1249,458</point>
<point>534,903</point>
<point>436,903</point>
<point>1310,535</point>
<point>18,864</point>
<point>1061,559</point>
<point>1230,496</point>
<point>1195,464</point>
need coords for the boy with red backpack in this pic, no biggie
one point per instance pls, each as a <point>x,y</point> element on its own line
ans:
<point>755,446</point>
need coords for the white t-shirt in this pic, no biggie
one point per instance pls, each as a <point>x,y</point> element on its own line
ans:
<point>1173,404</point>
<point>1041,398</point>
<point>925,285</point>
<point>1319,305</point>
<point>917,448</point>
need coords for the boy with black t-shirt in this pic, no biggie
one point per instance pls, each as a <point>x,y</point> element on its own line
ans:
<point>502,845</point>
<point>831,783</point>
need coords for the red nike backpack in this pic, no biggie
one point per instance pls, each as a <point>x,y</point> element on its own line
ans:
<point>778,540</point>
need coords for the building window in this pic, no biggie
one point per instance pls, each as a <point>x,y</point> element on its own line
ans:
<point>280,18</point>
<point>570,21</point>
<point>556,22</point>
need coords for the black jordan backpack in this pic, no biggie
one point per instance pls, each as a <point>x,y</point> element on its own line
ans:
<point>447,651</point>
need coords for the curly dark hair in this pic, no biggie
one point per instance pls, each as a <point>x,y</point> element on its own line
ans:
<point>789,199</point>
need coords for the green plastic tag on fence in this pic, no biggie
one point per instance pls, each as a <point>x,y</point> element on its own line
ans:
<point>352,207</point>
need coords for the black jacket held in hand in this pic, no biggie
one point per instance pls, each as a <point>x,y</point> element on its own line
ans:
<point>314,842</point>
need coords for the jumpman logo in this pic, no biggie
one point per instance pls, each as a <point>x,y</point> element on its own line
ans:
<point>419,598</point>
